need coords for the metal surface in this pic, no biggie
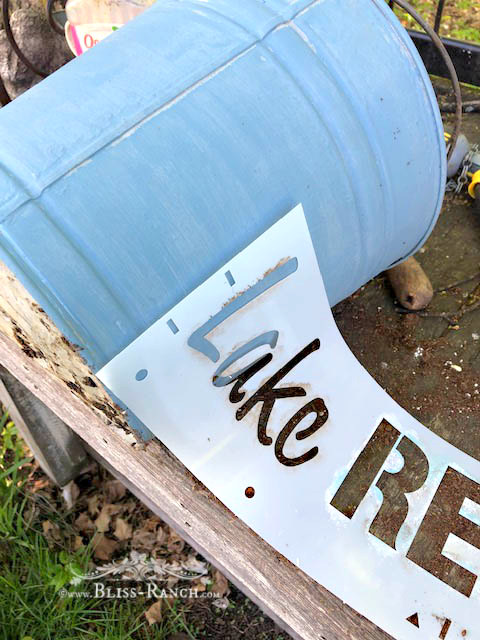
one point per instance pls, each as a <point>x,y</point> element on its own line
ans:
<point>463,177</point>
<point>145,183</point>
<point>440,47</point>
<point>258,395</point>
<point>457,158</point>
<point>57,448</point>
<point>465,57</point>
<point>438,14</point>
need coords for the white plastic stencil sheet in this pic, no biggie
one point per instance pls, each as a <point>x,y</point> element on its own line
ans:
<point>249,383</point>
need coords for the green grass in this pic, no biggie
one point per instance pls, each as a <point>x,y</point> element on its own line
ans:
<point>460,19</point>
<point>32,574</point>
<point>466,33</point>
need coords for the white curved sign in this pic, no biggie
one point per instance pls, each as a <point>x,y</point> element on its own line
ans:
<point>249,383</point>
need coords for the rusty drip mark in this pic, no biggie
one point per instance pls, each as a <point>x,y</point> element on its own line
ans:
<point>445,628</point>
<point>280,263</point>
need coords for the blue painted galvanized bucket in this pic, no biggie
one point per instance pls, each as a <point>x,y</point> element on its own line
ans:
<point>133,173</point>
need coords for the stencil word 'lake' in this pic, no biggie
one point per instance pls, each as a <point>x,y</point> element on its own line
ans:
<point>443,516</point>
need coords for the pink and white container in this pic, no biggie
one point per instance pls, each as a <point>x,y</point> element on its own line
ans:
<point>89,21</point>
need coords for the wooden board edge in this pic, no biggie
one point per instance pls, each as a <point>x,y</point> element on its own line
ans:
<point>299,605</point>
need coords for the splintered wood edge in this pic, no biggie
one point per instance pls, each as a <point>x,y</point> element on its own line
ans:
<point>27,324</point>
<point>37,354</point>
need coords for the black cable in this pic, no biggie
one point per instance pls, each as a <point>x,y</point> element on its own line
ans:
<point>406,6</point>
<point>4,97</point>
<point>51,20</point>
<point>14,45</point>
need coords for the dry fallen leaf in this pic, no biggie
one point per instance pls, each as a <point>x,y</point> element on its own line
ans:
<point>152,523</point>
<point>84,524</point>
<point>42,483</point>
<point>161,536</point>
<point>154,613</point>
<point>103,521</point>
<point>78,543</point>
<point>171,581</point>
<point>51,532</point>
<point>103,547</point>
<point>123,530</point>
<point>93,505</point>
<point>220,584</point>
<point>175,542</point>
<point>129,506</point>
<point>49,527</point>
<point>114,490</point>
<point>199,586</point>
<point>143,539</point>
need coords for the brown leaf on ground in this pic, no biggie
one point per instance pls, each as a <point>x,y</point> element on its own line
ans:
<point>34,465</point>
<point>114,490</point>
<point>175,542</point>
<point>129,506</point>
<point>199,586</point>
<point>178,636</point>
<point>123,530</point>
<point>84,524</point>
<point>93,505</point>
<point>103,547</point>
<point>143,539</point>
<point>152,523</point>
<point>161,536</point>
<point>154,613</point>
<point>51,531</point>
<point>105,517</point>
<point>220,584</point>
<point>75,491</point>
<point>172,581</point>
<point>78,543</point>
<point>40,484</point>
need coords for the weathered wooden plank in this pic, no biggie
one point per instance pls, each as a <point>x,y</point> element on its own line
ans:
<point>35,352</point>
